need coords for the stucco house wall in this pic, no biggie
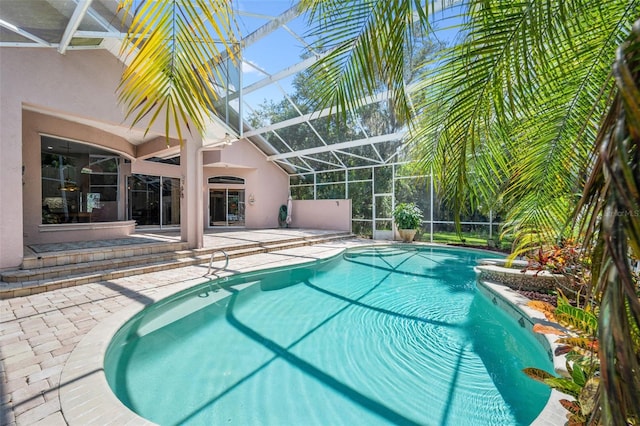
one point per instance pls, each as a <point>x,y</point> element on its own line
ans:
<point>73,96</point>
<point>33,126</point>
<point>321,214</point>
<point>266,182</point>
<point>79,84</point>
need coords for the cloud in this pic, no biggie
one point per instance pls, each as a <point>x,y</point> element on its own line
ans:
<point>250,67</point>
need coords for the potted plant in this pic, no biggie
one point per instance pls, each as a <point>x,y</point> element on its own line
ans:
<point>407,217</point>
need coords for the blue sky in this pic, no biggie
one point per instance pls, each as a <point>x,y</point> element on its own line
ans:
<point>281,49</point>
<point>273,53</point>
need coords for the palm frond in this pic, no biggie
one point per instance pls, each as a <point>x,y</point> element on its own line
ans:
<point>176,50</point>
<point>538,71</point>
<point>367,41</point>
<point>609,214</point>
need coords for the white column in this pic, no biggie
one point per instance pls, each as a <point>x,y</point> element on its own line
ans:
<point>11,208</point>
<point>192,190</point>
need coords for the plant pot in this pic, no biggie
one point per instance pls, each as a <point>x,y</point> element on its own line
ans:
<point>407,235</point>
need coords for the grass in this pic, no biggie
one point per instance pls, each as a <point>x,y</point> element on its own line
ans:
<point>453,238</point>
<point>468,239</point>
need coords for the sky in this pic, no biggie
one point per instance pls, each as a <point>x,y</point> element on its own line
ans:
<point>282,49</point>
<point>273,53</point>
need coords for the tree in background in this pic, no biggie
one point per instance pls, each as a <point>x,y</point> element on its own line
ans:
<point>519,111</point>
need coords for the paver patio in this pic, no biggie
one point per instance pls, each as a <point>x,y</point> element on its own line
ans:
<point>39,332</point>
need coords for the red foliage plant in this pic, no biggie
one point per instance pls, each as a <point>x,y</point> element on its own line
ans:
<point>562,259</point>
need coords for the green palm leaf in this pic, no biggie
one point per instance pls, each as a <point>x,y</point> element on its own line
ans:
<point>608,214</point>
<point>536,72</point>
<point>367,41</point>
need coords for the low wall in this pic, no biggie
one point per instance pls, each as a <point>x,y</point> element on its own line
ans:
<point>321,214</point>
<point>518,278</point>
<point>85,231</point>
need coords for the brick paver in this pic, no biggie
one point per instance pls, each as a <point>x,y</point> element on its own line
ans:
<point>39,332</point>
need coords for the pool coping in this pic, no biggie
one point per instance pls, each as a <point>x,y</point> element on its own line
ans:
<point>86,398</point>
<point>515,305</point>
<point>85,395</point>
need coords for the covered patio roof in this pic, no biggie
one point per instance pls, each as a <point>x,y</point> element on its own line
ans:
<point>275,28</point>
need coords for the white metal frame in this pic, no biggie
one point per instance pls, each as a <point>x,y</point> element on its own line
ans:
<point>294,160</point>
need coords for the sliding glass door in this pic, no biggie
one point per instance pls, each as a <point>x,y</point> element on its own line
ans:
<point>226,207</point>
<point>154,201</point>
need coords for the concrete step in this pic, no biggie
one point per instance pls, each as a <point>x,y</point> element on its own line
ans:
<point>37,280</point>
<point>72,257</point>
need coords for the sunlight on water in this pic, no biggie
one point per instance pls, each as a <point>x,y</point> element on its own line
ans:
<point>376,336</point>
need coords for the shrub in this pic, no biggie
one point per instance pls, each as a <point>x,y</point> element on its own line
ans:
<point>407,216</point>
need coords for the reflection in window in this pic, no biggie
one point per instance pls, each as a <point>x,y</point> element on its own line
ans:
<point>154,201</point>
<point>227,207</point>
<point>80,183</point>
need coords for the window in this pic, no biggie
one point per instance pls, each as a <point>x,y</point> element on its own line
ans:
<point>80,183</point>
<point>227,180</point>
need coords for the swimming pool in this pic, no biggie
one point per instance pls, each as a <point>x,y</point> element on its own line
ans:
<point>384,335</point>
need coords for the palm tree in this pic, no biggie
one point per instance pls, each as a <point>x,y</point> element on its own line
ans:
<point>506,107</point>
<point>610,211</point>
<point>518,111</point>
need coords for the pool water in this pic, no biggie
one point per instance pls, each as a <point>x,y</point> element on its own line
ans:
<point>375,336</point>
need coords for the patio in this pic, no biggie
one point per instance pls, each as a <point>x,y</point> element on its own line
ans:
<point>51,266</point>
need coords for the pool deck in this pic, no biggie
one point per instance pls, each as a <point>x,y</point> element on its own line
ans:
<point>52,343</point>
<point>39,332</point>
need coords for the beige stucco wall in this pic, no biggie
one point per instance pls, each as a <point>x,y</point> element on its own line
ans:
<point>79,86</point>
<point>321,214</point>
<point>42,91</point>
<point>268,183</point>
<point>156,169</point>
<point>33,126</point>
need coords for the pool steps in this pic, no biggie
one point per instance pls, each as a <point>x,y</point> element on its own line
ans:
<point>49,271</point>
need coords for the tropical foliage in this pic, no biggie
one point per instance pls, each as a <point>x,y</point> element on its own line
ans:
<point>176,52</point>
<point>577,328</point>
<point>521,111</point>
<point>498,115</point>
<point>368,43</point>
<point>407,216</point>
<point>559,259</point>
<point>609,211</point>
